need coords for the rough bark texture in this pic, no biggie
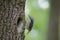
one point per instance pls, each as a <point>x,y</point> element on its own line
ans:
<point>53,25</point>
<point>10,12</point>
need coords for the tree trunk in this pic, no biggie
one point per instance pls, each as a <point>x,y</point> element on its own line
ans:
<point>10,13</point>
<point>54,17</point>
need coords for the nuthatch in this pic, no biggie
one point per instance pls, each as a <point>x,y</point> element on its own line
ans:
<point>30,23</point>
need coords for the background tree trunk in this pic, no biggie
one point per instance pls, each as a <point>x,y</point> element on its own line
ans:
<point>54,17</point>
<point>10,12</point>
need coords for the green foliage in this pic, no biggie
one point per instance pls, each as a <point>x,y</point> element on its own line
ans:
<point>41,16</point>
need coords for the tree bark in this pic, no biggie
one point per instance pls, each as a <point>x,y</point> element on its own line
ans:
<point>54,17</point>
<point>10,12</point>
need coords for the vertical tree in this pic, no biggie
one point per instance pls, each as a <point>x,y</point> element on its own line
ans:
<point>53,24</point>
<point>11,11</point>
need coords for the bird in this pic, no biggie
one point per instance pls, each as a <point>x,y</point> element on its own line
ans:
<point>30,23</point>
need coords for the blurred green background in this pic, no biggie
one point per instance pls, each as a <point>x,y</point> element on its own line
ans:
<point>39,9</point>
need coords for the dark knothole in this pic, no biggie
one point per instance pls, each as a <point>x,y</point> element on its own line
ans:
<point>19,20</point>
